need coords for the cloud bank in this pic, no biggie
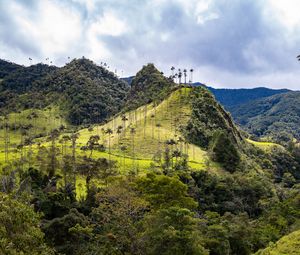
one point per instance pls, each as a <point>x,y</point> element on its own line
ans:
<point>237,43</point>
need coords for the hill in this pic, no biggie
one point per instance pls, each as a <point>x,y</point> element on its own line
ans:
<point>148,85</point>
<point>287,245</point>
<point>7,67</point>
<point>84,92</point>
<point>231,98</point>
<point>175,173</point>
<point>276,117</point>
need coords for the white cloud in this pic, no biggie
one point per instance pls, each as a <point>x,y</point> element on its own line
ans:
<point>249,42</point>
<point>286,11</point>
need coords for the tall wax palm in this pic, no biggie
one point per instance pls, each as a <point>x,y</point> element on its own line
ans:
<point>185,75</point>
<point>119,131</point>
<point>123,149</point>
<point>124,119</point>
<point>172,69</point>
<point>179,75</point>
<point>132,132</point>
<point>109,132</point>
<point>191,78</point>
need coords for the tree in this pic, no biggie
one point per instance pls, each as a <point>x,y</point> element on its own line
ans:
<point>191,78</point>
<point>93,143</point>
<point>172,231</point>
<point>123,149</point>
<point>117,218</point>
<point>179,75</point>
<point>132,132</point>
<point>109,132</point>
<point>74,138</point>
<point>69,233</point>
<point>172,69</point>
<point>163,191</point>
<point>19,229</point>
<point>53,164</point>
<point>119,131</point>
<point>225,152</point>
<point>124,119</point>
<point>185,75</point>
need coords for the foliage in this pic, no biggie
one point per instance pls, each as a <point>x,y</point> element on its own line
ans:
<point>162,191</point>
<point>287,245</point>
<point>147,86</point>
<point>171,231</point>
<point>85,92</point>
<point>225,152</point>
<point>276,117</point>
<point>206,118</point>
<point>19,229</point>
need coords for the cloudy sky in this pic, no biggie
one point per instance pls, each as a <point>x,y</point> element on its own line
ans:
<point>236,43</point>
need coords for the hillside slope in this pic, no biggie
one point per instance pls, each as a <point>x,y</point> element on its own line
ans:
<point>287,245</point>
<point>148,85</point>
<point>276,117</point>
<point>84,92</point>
<point>232,98</point>
<point>7,67</point>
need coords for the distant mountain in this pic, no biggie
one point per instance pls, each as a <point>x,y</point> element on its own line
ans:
<point>147,86</point>
<point>276,117</point>
<point>128,79</point>
<point>230,98</point>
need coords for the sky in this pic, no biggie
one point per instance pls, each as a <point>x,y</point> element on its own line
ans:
<point>230,44</point>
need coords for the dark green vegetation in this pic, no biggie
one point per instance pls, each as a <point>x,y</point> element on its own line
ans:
<point>149,85</point>
<point>7,67</point>
<point>274,118</point>
<point>85,93</point>
<point>232,98</point>
<point>175,176</point>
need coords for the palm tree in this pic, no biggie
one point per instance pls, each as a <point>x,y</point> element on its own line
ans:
<point>145,120</point>
<point>109,132</point>
<point>119,131</point>
<point>74,137</point>
<point>175,77</point>
<point>124,119</point>
<point>185,74</point>
<point>179,75</point>
<point>152,122</point>
<point>191,78</point>
<point>132,132</point>
<point>123,149</point>
<point>92,143</point>
<point>172,69</point>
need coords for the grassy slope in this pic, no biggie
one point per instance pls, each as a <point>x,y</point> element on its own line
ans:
<point>162,123</point>
<point>266,146</point>
<point>287,245</point>
<point>46,120</point>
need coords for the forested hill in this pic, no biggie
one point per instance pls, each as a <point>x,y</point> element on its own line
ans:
<point>7,67</point>
<point>148,85</point>
<point>84,92</point>
<point>231,98</point>
<point>276,117</point>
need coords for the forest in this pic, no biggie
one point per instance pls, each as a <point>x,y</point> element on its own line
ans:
<point>90,164</point>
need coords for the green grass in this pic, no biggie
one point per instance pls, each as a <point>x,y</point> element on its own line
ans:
<point>267,146</point>
<point>287,245</point>
<point>153,125</point>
